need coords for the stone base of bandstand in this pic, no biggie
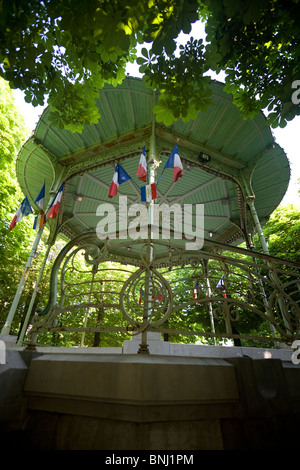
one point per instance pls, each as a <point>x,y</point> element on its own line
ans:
<point>177,397</point>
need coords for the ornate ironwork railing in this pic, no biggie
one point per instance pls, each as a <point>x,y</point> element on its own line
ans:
<point>218,292</point>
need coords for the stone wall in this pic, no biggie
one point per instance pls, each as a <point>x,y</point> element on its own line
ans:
<point>75,400</point>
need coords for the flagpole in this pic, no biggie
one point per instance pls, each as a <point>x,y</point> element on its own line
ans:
<point>6,328</point>
<point>153,163</point>
<point>26,321</point>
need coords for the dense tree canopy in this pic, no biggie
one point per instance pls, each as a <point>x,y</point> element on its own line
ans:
<point>282,232</point>
<point>66,50</point>
<point>15,245</point>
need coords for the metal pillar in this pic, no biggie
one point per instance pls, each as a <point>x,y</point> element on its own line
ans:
<point>29,311</point>
<point>209,294</point>
<point>153,164</point>
<point>250,201</point>
<point>6,328</point>
<point>94,270</point>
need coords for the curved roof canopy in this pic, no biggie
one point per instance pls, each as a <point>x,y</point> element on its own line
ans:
<point>220,151</point>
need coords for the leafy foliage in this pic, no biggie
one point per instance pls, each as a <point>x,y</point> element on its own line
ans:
<point>66,50</point>
<point>256,43</point>
<point>282,232</point>
<point>15,245</point>
<point>184,89</point>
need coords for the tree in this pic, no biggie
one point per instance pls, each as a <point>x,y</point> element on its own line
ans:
<point>282,232</point>
<point>15,246</point>
<point>256,43</point>
<point>67,50</point>
<point>12,134</point>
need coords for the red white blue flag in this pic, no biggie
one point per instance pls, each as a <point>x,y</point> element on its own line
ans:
<point>120,176</point>
<point>148,192</point>
<point>23,210</point>
<point>53,210</point>
<point>142,168</point>
<point>221,286</point>
<point>40,202</point>
<point>175,162</point>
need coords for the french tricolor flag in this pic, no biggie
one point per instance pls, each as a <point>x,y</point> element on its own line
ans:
<point>56,203</point>
<point>142,168</point>
<point>148,192</point>
<point>221,286</point>
<point>23,210</point>
<point>175,162</point>
<point>40,202</point>
<point>196,292</point>
<point>120,176</point>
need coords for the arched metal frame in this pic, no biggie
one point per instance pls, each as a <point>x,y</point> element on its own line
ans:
<point>253,285</point>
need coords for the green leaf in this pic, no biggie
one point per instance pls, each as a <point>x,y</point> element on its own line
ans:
<point>141,61</point>
<point>170,46</point>
<point>163,113</point>
<point>145,52</point>
<point>143,68</point>
<point>27,97</point>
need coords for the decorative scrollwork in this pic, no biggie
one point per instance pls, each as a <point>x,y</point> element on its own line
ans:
<point>146,298</point>
<point>110,292</point>
<point>222,310</point>
<point>234,314</point>
<point>95,255</point>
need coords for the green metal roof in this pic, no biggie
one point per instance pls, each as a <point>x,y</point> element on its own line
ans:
<point>86,161</point>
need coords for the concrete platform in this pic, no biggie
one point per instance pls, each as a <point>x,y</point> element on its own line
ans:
<point>209,398</point>
<point>165,348</point>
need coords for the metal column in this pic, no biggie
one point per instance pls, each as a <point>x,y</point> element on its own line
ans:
<point>6,328</point>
